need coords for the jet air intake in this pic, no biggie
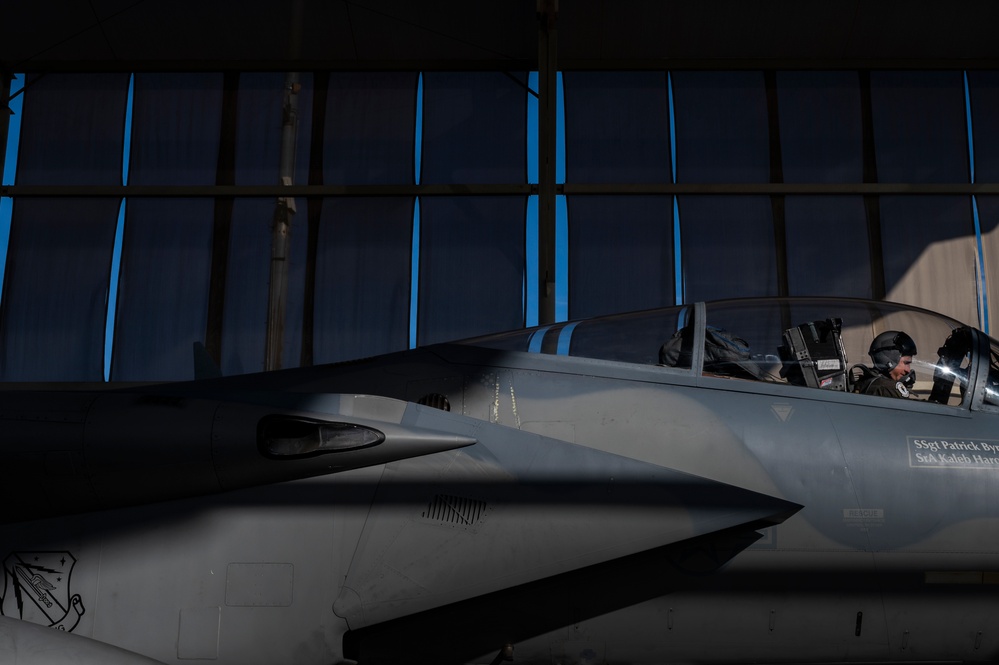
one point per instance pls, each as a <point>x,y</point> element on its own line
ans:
<point>281,437</point>
<point>72,452</point>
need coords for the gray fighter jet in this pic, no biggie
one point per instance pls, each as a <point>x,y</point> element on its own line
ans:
<point>694,484</point>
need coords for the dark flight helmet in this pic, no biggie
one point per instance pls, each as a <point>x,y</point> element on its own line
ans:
<point>889,347</point>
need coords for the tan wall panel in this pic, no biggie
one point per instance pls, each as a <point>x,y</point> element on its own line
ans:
<point>990,249</point>
<point>943,279</point>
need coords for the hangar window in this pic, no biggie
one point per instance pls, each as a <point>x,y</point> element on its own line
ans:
<point>371,264</point>
<point>416,216</point>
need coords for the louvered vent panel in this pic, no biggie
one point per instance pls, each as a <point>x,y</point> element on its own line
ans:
<point>435,400</point>
<point>455,510</point>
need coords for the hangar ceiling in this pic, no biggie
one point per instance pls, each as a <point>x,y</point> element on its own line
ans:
<point>61,35</point>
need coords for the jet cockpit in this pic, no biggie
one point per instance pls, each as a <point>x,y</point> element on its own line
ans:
<point>820,343</point>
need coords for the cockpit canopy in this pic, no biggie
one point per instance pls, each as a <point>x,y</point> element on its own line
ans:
<point>811,342</point>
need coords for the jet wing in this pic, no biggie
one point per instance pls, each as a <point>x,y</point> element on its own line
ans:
<point>519,508</point>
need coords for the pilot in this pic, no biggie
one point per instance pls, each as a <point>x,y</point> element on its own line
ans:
<point>891,353</point>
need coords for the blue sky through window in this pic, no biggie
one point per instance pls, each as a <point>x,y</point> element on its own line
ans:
<point>983,297</point>
<point>9,167</point>
<point>414,282</point>
<point>532,276</point>
<point>677,263</point>
<point>119,234</point>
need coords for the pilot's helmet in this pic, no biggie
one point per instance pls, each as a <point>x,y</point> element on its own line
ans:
<point>889,347</point>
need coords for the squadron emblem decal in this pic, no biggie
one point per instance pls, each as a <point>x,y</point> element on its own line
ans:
<point>36,588</point>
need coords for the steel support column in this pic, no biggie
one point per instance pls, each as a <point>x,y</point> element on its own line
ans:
<point>281,231</point>
<point>284,210</point>
<point>547,128</point>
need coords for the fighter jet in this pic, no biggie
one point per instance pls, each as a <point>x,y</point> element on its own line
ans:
<point>703,483</point>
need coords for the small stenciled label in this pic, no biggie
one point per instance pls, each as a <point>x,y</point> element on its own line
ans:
<point>782,411</point>
<point>864,518</point>
<point>827,363</point>
<point>936,453</point>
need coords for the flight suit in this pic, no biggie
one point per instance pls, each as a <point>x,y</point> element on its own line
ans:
<point>881,385</point>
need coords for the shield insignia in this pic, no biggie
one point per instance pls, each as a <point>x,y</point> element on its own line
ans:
<point>36,588</point>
